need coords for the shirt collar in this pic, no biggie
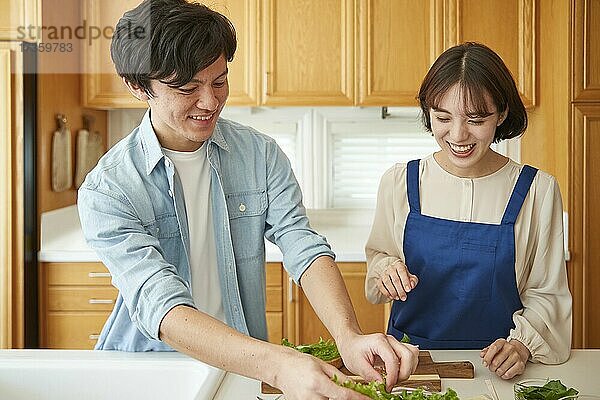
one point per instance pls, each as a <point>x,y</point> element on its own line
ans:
<point>150,144</point>
<point>153,150</point>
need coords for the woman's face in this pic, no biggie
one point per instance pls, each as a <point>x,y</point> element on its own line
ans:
<point>464,138</point>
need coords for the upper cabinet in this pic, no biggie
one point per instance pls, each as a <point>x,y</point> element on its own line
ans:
<point>479,21</point>
<point>102,87</point>
<point>338,52</point>
<point>308,52</point>
<point>17,17</point>
<point>586,50</point>
<point>398,42</point>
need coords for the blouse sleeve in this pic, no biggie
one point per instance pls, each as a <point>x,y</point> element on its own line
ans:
<point>543,325</point>
<point>381,248</point>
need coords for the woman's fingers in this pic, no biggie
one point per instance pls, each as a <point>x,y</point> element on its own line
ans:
<point>396,281</point>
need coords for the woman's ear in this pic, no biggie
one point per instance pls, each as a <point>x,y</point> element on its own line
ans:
<point>136,91</point>
<point>502,116</point>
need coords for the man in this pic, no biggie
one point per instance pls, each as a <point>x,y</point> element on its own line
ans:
<point>179,209</point>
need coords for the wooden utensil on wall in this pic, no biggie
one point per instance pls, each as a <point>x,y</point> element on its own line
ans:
<point>89,150</point>
<point>62,169</point>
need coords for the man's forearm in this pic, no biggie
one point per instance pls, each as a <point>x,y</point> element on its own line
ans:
<point>207,339</point>
<point>325,289</point>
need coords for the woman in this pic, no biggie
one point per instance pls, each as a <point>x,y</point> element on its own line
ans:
<point>467,242</point>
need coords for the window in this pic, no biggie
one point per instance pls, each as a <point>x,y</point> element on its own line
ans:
<point>340,153</point>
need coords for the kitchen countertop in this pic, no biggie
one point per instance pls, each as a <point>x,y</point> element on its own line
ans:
<point>346,231</point>
<point>76,374</point>
<point>580,372</point>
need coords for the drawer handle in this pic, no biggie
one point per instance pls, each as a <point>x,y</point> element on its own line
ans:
<point>100,301</point>
<point>99,274</point>
<point>94,337</point>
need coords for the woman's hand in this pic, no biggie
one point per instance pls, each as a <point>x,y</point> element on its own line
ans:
<point>396,281</point>
<point>360,352</point>
<point>302,377</point>
<point>506,359</point>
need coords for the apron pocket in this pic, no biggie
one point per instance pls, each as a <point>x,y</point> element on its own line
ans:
<point>477,265</point>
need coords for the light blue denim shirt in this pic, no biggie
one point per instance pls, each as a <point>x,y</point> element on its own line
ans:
<point>133,215</point>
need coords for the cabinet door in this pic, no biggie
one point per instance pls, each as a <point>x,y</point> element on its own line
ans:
<point>507,27</point>
<point>371,318</point>
<point>274,306</point>
<point>309,52</point>
<point>586,50</point>
<point>17,17</point>
<point>398,41</point>
<point>102,87</point>
<point>584,274</point>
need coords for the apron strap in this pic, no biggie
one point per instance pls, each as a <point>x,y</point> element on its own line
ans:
<point>412,186</point>
<point>518,195</point>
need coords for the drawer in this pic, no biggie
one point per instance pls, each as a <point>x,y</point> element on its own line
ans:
<point>65,298</point>
<point>76,274</point>
<point>274,299</point>
<point>73,330</point>
<point>273,274</point>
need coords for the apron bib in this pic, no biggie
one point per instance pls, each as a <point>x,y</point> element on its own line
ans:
<point>467,291</point>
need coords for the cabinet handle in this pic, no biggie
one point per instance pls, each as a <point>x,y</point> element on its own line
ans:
<point>94,336</point>
<point>99,274</point>
<point>100,301</point>
<point>290,290</point>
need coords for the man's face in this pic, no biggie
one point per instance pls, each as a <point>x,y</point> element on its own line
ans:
<point>185,117</point>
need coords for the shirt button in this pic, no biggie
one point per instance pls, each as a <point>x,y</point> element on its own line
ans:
<point>170,193</point>
<point>242,207</point>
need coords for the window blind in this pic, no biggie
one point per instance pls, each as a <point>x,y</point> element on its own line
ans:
<point>359,157</point>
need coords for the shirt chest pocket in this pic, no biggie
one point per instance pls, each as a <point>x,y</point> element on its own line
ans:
<point>246,204</point>
<point>164,227</point>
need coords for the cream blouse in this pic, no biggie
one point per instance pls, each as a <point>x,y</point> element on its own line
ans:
<point>544,323</point>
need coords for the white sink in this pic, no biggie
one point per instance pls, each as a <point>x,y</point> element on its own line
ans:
<point>104,375</point>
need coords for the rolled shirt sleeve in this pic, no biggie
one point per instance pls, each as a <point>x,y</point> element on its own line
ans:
<point>287,224</point>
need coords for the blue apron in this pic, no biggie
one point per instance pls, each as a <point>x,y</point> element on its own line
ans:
<point>467,291</point>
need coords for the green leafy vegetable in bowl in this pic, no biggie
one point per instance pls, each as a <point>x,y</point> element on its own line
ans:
<point>377,391</point>
<point>405,338</point>
<point>326,350</point>
<point>533,389</point>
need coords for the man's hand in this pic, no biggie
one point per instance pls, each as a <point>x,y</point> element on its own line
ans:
<point>396,281</point>
<point>359,353</point>
<point>303,377</point>
<point>506,359</point>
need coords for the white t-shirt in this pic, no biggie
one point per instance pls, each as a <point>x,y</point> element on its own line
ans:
<point>193,169</point>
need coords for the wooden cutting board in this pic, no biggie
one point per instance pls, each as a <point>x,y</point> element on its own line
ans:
<point>427,375</point>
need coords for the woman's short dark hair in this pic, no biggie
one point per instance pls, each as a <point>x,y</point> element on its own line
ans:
<point>170,41</point>
<point>479,71</point>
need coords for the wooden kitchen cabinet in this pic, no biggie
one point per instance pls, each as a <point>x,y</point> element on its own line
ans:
<point>275,302</point>
<point>16,18</point>
<point>476,20</point>
<point>584,274</point>
<point>75,301</point>
<point>103,88</point>
<point>308,52</point>
<point>584,173</point>
<point>305,327</point>
<point>398,41</point>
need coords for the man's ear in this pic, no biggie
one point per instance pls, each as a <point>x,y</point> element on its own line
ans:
<point>136,91</point>
<point>503,116</point>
